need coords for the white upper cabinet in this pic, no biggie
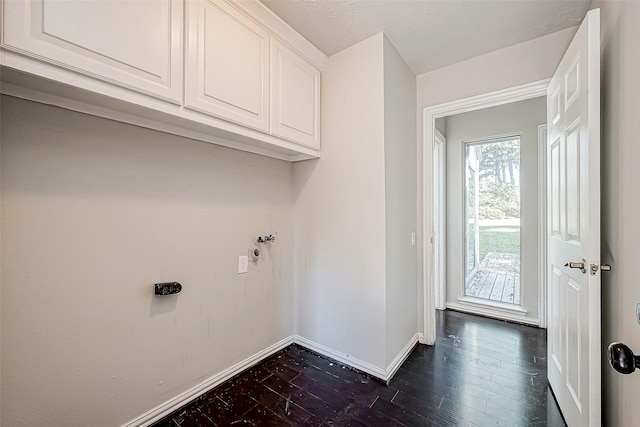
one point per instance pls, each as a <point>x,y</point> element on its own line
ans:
<point>227,69</point>
<point>134,44</point>
<point>295,97</point>
<point>223,71</point>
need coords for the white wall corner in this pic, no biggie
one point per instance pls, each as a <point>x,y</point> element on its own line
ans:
<point>380,373</point>
<point>182,399</point>
<point>401,357</point>
<point>344,358</point>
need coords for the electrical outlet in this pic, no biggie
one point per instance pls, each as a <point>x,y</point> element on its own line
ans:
<point>413,238</point>
<point>243,264</point>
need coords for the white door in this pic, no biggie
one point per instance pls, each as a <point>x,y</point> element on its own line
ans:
<point>573,150</point>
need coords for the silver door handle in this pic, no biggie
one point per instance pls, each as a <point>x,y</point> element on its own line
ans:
<point>580,265</point>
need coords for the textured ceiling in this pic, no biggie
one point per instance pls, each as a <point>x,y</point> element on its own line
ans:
<point>429,34</point>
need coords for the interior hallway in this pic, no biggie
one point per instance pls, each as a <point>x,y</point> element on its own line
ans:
<point>481,372</point>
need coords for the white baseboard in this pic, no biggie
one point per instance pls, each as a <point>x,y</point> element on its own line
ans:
<point>495,312</point>
<point>171,405</point>
<point>382,374</point>
<point>180,400</point>
<point>342,357</point>
<point>421,338</point>
<point>401,357</point>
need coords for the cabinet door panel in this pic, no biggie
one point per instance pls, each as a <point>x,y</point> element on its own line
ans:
<point>136,44</point>
<point>295,104</point>
<point>227,64</point>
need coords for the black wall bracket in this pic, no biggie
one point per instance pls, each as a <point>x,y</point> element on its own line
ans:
<point>167,288</point>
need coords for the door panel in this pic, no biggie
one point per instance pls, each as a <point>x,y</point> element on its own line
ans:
<point>554,184</point>
<point>574,227</point>
<point>572,139</point>
<point>556,354</point>
<point>574,356</point>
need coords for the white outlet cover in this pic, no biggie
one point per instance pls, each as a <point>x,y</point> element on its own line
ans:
<point>243,264</point>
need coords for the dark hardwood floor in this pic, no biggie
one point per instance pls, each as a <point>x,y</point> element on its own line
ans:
<point>481,372</point>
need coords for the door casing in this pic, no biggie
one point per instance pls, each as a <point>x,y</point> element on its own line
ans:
<point>431,284</point>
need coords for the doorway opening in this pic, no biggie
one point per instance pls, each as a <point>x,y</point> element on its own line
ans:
<point>436,278</point>
<point>492,220</point>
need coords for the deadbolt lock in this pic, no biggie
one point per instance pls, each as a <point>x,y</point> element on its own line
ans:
<point>593,268</point>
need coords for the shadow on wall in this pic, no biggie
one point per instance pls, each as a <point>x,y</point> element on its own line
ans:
<point>303,171</point>
<point>610,152</point>
<point>162,304</point>
<point>140,163</point>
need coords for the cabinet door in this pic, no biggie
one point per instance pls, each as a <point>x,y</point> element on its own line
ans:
<point>227,71</point>
<point>295,97</point>
<point>131,43</point>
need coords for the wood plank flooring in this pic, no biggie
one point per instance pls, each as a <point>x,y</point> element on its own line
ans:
<point>481,372</point>
<point>497,279</point>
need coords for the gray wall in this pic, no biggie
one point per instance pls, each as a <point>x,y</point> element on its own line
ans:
<point>340,212</point>
<point>400,200</point>
<point>93,213</point>
<point>620,106</point>
<point>516,118</point>
<point>355,209</point>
